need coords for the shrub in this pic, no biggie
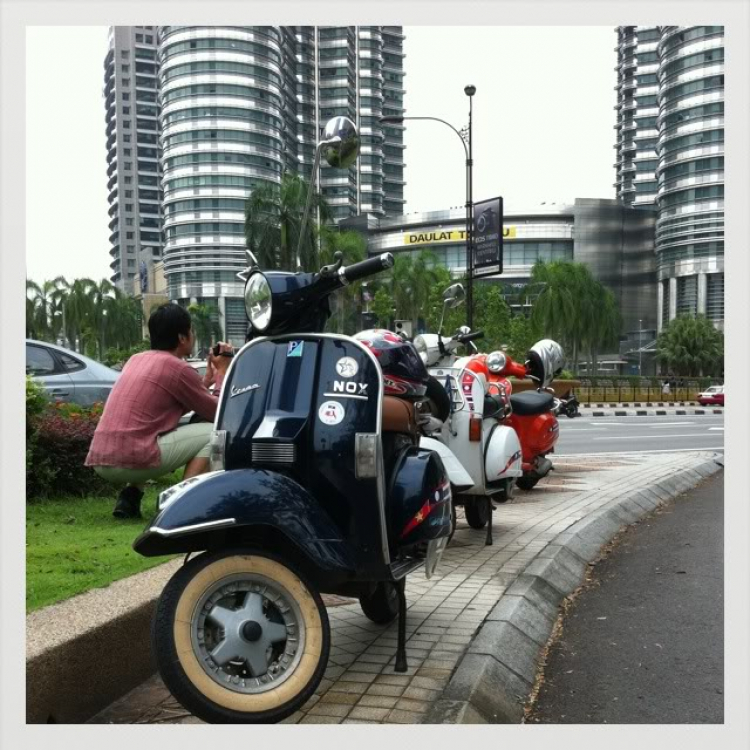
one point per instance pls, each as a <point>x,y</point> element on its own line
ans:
<point>36,403</point>
<point>63,434</point>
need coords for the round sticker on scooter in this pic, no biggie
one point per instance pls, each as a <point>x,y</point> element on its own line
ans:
<point>331,412</point>
<point>347,367</point>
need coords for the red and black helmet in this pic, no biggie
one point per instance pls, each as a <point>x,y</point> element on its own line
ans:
<point>404,373</point>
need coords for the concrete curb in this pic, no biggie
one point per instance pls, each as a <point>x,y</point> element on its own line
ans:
<point>77,655</point>
<point>495,677</point>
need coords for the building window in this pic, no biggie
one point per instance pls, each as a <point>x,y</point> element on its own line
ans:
<point>126,138</point>
<point>126,123</point>
<point>126,97</point>
<point>139,37</point>
<point>131,248</point>
<point>149,40</point>
<point>128,235</point>
<point>128,193</point>
<point>126,110</point>
<point>129,222</point>
<point>126,68</point>
<point>131,263</point>
<point>155,251</point>
<point>125,54</point>
<point>129,206</point>
<point>128,180</point>
<point>126,82</point>
<point>126,151</point>
<point>128,165</point>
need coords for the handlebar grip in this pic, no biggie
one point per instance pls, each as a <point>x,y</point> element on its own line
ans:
<point>365,268</point>
<point>466,337</point>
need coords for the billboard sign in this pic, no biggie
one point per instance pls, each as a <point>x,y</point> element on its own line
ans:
<point>487,237</point>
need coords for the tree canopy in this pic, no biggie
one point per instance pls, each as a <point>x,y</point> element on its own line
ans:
<point>691,346</point>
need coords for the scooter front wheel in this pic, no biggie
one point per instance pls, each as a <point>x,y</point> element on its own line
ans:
<point>527,482</point>
<point>240,637</point>
<point>477,512</point>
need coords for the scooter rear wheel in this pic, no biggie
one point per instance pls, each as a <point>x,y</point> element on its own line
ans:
<point>381,606</point>
<point>527,483</point>
<point>477,512</point>
<point>240,636</point>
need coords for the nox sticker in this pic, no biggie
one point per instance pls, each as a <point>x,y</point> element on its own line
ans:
<point>347,367</point>
<point>342,386</point>
<point>331,412</point>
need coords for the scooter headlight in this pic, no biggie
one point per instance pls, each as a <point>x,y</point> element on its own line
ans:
<point>258,301</point>
<point>496,361</point>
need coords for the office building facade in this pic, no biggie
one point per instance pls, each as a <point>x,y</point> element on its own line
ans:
<point>615,241</point>
<point>133,153</point>
<point>688,161</point>
<point>241,105</point>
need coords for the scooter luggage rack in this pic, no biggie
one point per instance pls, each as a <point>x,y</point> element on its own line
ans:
<point>450,374</point>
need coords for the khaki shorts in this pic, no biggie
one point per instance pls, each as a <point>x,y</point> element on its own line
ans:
<point>177,448</point>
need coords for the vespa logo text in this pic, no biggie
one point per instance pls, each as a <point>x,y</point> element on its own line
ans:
<point>359,389</point>
<point>235,391</point>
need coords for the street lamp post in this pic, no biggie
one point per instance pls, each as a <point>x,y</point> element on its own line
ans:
<point>465,136</point>
<point>640,346</point>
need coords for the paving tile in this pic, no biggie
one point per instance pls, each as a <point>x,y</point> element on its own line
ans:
<point>420,707</point>
<point>339,697</point>
<point>351,687</point>
<point>379,701</point>
<point>388,690</point>
<point>421,694</point>
<point>321,720</point>
<point>398,716</point>
<point>369,712</point>
<point>330,709</point>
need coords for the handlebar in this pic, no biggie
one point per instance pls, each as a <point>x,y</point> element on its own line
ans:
<point>465,338</point>
<point>366,268</point>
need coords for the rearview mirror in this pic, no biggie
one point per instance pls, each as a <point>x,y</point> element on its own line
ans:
<point>454,295</point>
<point>340,142</point>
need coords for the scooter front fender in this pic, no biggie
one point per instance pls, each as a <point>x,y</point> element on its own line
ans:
<point>215,509</point>
<point>458,476</point>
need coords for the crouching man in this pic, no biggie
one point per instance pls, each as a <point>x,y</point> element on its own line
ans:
<point>137,437</point>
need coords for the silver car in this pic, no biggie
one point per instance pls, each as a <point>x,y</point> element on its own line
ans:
<point>68,376</point>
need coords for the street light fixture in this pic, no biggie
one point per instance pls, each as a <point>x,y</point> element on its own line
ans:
<point>465,136</point>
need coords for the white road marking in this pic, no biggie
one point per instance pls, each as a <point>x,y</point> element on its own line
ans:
<point>711,448</point>
<point>646,437</point>
<point>716,428</point>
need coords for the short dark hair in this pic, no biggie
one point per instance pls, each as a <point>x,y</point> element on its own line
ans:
<point>166,323</point>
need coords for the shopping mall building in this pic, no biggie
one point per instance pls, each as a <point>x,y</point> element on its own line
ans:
<point>615,241</point>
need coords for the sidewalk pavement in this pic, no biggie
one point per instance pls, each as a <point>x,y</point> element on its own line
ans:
<point>476,629</point>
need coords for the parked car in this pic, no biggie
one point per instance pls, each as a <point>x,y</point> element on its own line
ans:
<point>198,364</point>
<point>68,376</point>
<point>712,395</point>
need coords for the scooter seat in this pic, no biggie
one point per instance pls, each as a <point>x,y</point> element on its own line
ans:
<point>530,403</point>
<point>398,416</point>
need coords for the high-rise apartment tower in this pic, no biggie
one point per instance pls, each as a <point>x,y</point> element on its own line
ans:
<point>133,153</point>
<point>670,153</point>
<point>239,106</point>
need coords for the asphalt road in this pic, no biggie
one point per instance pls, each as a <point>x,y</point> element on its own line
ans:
<point>640,434</point>
<point>645,642</point>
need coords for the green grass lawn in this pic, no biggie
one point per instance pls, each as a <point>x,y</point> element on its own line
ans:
<point>74,544</point>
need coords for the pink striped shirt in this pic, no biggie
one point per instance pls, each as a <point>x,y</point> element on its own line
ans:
<point>154,390</point>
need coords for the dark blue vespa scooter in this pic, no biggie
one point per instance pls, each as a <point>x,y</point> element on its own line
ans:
<point>309,493</point>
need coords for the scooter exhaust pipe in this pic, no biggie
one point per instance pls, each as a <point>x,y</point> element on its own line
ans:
<point>543,467</point>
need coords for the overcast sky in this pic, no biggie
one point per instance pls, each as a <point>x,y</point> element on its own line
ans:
<point>542,128</point>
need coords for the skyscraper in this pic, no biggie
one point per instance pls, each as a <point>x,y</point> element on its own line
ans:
<point>133,152</point>
<point>687,165</point>
<point>240,105</point>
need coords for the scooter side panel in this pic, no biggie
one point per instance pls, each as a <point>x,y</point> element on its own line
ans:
<point>502,452</point>
<point>294,404</point>
<point>458,476</point>
<point>233,499</point>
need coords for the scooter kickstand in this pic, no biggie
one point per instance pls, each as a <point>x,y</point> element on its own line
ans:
<point>488,540</point>
<point>401,665</point>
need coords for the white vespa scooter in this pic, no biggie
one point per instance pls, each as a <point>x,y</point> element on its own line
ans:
<point>488,451</point>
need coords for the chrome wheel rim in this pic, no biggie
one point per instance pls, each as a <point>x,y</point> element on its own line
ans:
<point>248,633</point>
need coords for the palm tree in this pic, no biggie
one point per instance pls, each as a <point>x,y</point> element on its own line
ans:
<point>77,308</point>
<point>206,327</point>
<point>353,248</point>
<point>412,281</point>
<point>41,307</point>
<point>123,322</point>
<point>691,346</point>
<point>273,218</point>
<point>99,294</point>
